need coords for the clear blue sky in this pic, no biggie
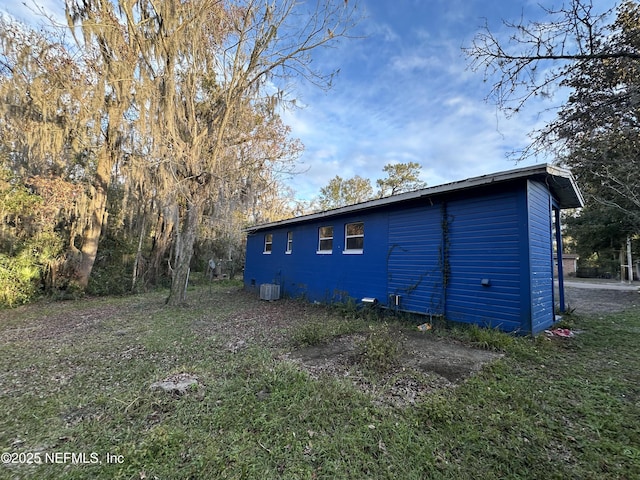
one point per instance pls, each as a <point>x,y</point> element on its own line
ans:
<point>404,93</point>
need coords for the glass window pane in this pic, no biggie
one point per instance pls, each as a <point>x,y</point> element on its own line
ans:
<point>326,244</point>
<point>326,232</point>
<point>354,236</point>
<point>355,228</point>
<point>355,243</point>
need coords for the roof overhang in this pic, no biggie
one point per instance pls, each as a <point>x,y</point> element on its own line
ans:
<point>559,180</point>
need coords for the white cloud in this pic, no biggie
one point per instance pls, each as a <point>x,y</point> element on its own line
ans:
<point>404,94</point>
<point>412,62</point>
<point>407,95</point>
<point>35,13</point>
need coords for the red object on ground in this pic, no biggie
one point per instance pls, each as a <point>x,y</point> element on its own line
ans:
<point>561,332</point>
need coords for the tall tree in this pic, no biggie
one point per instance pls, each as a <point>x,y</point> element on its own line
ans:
<point>340,192</point>
<point>599,234</point>
<point>600,124</point>
<point>63,111</point>
<point>596,55</point>
<point>401,177</point>
<point>199,67</point>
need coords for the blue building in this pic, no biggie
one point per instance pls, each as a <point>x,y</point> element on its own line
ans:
<point>478,251</point>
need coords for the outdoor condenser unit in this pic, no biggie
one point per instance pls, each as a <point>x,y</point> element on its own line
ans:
<point>269,291</point>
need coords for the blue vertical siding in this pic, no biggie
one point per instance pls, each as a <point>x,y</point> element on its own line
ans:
<point>540,256</point>
<point>485,242</point>
<point>434,253</point>
<point>414,268</point>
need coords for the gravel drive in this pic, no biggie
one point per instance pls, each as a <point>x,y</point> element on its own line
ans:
<point>600,300</point>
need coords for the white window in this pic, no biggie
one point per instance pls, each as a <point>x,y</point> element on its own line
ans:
<point>325,239</point>
<point>268,243</point>
<point>289,242</point>
<point>354,237</point>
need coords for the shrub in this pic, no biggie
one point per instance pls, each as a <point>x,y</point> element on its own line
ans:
<point>111,273</point>
<point>309,334</point>
<point>21,275</point>
<point>490,338</point>
<point>18,278</point>
<point>379,351</point>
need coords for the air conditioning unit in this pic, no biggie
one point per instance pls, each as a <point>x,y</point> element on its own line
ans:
<point>269,291</point>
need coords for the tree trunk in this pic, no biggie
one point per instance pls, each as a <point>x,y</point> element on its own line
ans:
<point>161,244</point>
<point>136,263</point>
<point>185,240</point>
<point>96,217</point>
<point>629,260</point>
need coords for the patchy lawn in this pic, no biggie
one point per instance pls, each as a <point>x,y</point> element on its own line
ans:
<point>291,390</point>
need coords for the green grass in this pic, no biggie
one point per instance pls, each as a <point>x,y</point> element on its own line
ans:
<point>75,378</point>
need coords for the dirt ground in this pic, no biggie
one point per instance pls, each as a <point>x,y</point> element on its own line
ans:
<point>428,362</point>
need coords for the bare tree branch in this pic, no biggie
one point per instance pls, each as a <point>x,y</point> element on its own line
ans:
<point>517,65</point>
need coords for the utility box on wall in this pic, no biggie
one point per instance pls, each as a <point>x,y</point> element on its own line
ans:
<point>269,291</point>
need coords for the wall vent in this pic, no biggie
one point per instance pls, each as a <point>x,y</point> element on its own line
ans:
<point>269,291</point>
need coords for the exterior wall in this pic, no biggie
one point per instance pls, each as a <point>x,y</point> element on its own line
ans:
<point>322,277</point>
<point>569,264</point>
<point>415,259</point>
<point>434,254</point>
<point>540,256</point>
<point>487,241</point>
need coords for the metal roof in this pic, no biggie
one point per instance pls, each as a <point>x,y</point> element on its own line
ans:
<point>560,181</point>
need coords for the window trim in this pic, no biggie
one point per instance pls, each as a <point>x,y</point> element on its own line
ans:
<point>268,242</point>
<point>319,251</point>
<point>353,251</point>
<point>289,249</point>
